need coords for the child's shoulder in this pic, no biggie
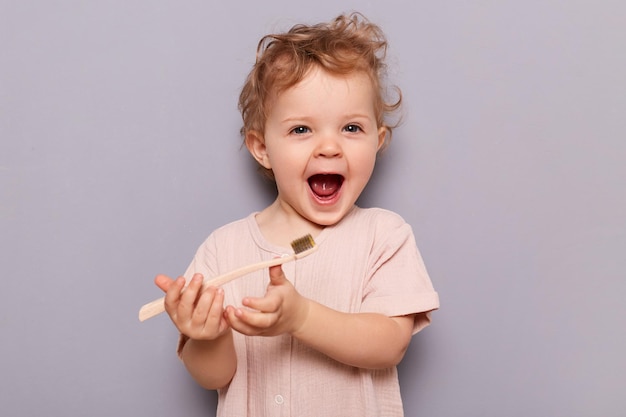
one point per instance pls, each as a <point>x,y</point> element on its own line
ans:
<point>375,222</point>
<point>376,216</point>
<point>373,227</point>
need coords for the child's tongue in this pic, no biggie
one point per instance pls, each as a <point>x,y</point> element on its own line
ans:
<point>325,185</point>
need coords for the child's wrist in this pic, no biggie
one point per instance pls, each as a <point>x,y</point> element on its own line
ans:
<point>302,317</point>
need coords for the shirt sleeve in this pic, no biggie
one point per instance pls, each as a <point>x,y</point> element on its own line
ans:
<point>398,283</point>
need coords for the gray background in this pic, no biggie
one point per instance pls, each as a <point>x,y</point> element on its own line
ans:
<point>120,152</point>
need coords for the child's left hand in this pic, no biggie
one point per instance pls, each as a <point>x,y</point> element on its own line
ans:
<point>281,310</point>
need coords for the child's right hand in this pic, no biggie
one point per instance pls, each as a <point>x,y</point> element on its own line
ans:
<point>196,312</point>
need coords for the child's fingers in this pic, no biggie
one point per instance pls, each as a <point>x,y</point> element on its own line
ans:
<point>251,323</point>
<point>208,310</point>
<point>277,276</point>
<point>216,314</point>
<point>272,300</point>
<point>188,298</point>
<point>217,308</point>
<point>201,308</point>
<point>163,282</point>
<point>267,304</point>
<point>233,317</point>
<point>172,296</point>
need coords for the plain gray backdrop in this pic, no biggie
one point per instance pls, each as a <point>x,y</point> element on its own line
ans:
<point>120,153</point>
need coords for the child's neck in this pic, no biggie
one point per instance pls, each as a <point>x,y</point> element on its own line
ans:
<point>280,227</point>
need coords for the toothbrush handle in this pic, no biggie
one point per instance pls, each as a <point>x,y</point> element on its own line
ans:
<point>157,306</point>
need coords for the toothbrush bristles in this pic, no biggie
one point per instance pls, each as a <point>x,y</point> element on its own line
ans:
<point>301,244</point>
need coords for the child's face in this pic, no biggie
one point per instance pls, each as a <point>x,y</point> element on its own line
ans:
<point>321,140</point>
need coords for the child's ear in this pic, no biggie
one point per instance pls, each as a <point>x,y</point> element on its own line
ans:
<point>256,146</point>
<point>382,135</point>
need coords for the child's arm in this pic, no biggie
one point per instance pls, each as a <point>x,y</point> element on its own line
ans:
<point>365,340</point>
<point>209,352</point>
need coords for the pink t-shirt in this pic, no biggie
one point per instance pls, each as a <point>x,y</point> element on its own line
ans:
<point>368,262</point>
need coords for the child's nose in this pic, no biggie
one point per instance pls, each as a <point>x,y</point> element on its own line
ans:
<point>328,146</point>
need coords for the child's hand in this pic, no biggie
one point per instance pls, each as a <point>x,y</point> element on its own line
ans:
<point>196,313</point>
<point>281,310</point>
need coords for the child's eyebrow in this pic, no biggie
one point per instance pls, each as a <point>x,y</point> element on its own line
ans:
<point>297,119</point>
<point>359,116</point>
<point>309,119</point>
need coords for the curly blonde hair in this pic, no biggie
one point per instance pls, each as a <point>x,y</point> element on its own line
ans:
<point>347,44</point>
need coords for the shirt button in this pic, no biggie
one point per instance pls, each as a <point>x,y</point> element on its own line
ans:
<point>279,399</point>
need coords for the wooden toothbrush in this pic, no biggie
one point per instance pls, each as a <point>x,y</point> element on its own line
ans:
<point>302,247</point>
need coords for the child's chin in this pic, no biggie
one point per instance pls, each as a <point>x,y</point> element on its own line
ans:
<point>328,218</point>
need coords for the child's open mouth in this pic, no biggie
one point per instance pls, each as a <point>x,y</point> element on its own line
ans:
<point>325,186</point>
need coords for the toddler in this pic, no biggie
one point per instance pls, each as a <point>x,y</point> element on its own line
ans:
<point>320,336</point>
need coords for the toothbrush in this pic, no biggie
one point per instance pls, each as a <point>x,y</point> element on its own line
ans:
<point>302,247</point>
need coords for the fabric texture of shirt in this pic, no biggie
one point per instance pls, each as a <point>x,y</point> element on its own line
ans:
<point>368,262</point>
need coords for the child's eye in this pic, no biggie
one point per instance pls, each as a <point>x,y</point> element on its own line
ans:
<point>300,130</point>
<point>352,128</point>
